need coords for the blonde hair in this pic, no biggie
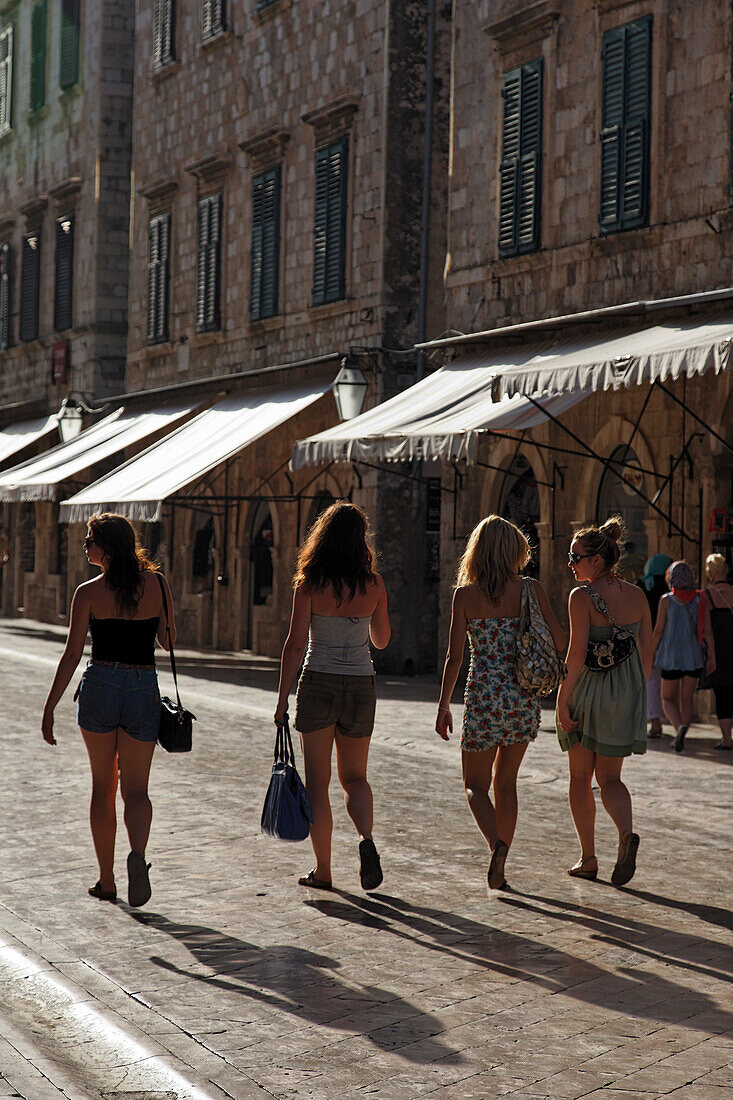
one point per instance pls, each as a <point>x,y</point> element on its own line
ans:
<point>604,540</point>
<point>717,566</point>
<point>495,552</point>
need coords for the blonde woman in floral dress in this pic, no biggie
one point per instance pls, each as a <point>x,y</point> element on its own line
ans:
<point>499,717</point>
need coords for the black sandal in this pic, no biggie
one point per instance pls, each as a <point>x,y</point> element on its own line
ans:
<point>316,883</point>
<point>370,867</point>
<point>96,891</point>
<point>495,875</point>
<point>625,867</point>
<point>578,869</point>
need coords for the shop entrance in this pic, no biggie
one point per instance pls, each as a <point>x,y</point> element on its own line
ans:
<point>520,503</point>
<point>620,497</point>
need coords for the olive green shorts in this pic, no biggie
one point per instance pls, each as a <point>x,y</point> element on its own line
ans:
<point>328,699</point>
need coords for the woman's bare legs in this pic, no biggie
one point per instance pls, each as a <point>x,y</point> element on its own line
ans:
<point>581,762</point>
<point>477,767</point>
<point>615,794</point>
<point>135,758</point>
<point>102,749</point>
<point>317,749</point>
<point>726,727</point>
<point>688,686</point>
<point>671,704</point>
<point>351,760</point>
<point>508,760</point>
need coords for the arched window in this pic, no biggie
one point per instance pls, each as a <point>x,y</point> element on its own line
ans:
<point>616,497</point>
<point>27,541</point>
<point>520,503</point>
<point>261,555</point>
<point>204,544</point>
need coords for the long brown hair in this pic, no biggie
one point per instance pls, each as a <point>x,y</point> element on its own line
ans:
<point>125,561</point>
<point>336,552</point>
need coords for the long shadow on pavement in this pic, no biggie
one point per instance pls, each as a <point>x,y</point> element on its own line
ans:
<point>303,984</point>
<point>628,989</point>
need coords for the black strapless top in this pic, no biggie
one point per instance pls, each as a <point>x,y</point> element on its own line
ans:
<point>129,641</point>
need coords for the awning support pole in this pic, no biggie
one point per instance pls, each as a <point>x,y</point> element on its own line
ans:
<point>637,422</point>
<point>567,451</point>
<point>673,464</point>
<point>604,462</point>
<point>694,416</point>
<point>507,469</point>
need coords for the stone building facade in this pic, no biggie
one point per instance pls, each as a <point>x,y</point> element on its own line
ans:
<point>279,211</point>
<point>572,191</point>
<point>66,71</point>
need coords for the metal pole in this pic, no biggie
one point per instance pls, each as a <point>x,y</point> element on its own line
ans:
<point>426,173</point>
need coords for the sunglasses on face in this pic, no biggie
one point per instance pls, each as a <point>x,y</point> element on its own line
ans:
<point>88,541</point>
<point>574,557</point>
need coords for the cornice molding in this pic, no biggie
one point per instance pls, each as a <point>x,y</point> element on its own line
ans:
<point>34,207</point>
<point>158,187</point>
<point>65,190</point>
<point>266,148</point>
<point>531,23</point>
<point>334,118</point>
<point>210,165</point>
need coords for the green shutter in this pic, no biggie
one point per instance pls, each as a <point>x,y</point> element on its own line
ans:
<point>625,124</point>
<point>6,78</point>
<point>69,61</point>
<point>212,18</point>
<point>38,55</point>
<point>163,32</point>
<point>264,266</point>
<point>158,259</point>
<point>520,173</point>
<point>329,223</point>
<point>208,264</point>
<point>29,286</point>
<point>5,292</point>
<point>63,289</point>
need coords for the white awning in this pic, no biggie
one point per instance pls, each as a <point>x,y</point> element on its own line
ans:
<point>139,487</point>
<point>440,417</point>
<point>662,353</point>
<point>39,478</point>
<point>15,437</point>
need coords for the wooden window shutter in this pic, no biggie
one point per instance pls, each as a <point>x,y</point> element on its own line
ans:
<point>158,277</point>
<point>520,173</point>
<point>69,61</point>
<point>63,291</point>
<point>209,264</point>
<point>164,32</point>
<point>29,286</point>
<point>264,284</point>
<point>38,55</point>
<point>626,116</point>
<point>212,18</point>
<point>5,295</point>
<point>6,79</point>
<point>329,226</point>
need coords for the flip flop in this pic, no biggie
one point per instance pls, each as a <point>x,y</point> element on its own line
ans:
<point>370,868</point>
<point>316,883</point>
<point>96,891</point>
<point>138,880</point>
<point>495,874</point>
<point>722,747</point>
<point>625,867</point>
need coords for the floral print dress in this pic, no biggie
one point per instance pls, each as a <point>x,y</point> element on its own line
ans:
<point>497,711</point>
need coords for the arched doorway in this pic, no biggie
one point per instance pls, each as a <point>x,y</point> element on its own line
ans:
<point>202,554</point>
<point>519,502</point>
<point>616,497</point>
<point>261,572</point>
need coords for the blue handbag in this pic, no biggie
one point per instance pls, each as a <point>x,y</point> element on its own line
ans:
<point>287,813</point>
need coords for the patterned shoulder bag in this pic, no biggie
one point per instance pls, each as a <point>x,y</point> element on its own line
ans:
<point>539,668</point>
<point>602,656</point>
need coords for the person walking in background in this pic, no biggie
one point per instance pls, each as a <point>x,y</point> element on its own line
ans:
<point>683,624</point>
<point>601,714</point>
<point>719,598</point>
<point>339,604</point>
<point>118,700</point>
<point>499,717</point>
<point>654,586</point>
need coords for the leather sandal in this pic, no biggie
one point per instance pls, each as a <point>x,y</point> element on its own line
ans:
<point>370,868</point>
<point>138,880</point>
<point>316,883</point>
<point>625,867</point>
<point>578,870</point>
<point>495,875</point>
<point>96,891</point>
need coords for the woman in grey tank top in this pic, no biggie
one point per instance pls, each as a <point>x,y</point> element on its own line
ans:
<point>339,607</point>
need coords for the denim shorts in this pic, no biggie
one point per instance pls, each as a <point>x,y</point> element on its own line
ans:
<point>329,699</point>
<point>109,697</point>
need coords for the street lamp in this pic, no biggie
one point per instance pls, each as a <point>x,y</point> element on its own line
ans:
<point>70,416</point>
<point>349,389</point>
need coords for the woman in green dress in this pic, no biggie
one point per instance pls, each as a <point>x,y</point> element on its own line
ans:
<point>601,715</point>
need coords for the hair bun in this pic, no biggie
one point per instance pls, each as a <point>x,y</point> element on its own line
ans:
<point>613,527</point>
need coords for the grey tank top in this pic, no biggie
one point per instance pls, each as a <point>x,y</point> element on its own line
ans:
<point>339,645</point>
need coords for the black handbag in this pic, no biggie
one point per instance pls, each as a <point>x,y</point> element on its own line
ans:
<point>287,813</point>
<point>602,656</point>
<point>175,733</point>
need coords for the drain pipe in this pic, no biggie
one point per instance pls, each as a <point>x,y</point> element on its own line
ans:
<point>427,169</point>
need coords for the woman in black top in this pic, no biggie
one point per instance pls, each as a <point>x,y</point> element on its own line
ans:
<point>719,596</point>
<point>119,704</point>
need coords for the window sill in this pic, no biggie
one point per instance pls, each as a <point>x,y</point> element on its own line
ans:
<point>165,347</point>
<point>331,309</point>
<point>72,91</point>
<point>207,339</point>
<point>6,135</point>
<point>266,324</point>
<point>626,240</point>
<point>261,15</point>
<point>41,113</point>
<point>165,72</point>
<point>221,38</point>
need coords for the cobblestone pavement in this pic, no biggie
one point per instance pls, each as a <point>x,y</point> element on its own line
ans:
<point>233,981</point>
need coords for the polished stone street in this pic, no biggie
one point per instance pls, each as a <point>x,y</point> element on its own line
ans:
<point>235,982</point>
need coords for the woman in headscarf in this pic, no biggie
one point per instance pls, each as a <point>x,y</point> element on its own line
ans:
<point>654,586</point>
<point>683,625</point>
